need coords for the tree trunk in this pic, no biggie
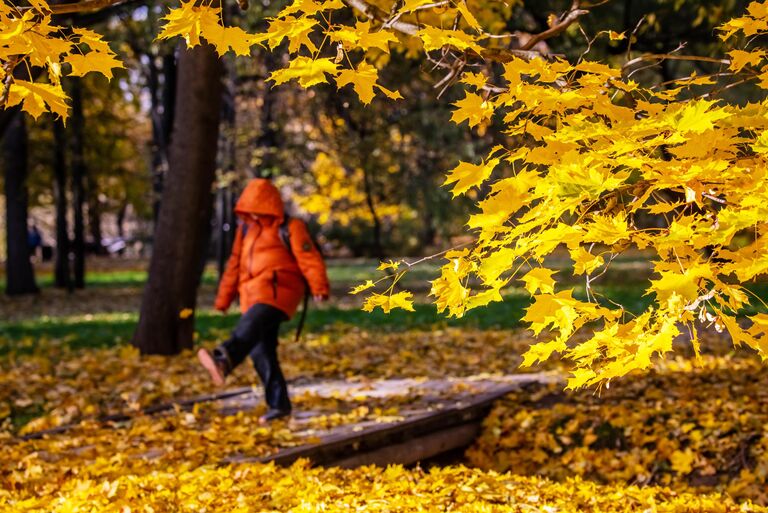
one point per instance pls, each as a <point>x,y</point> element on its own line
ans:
<point>378,248</point>
<point>62,273</point>
<point>94,214</point>
<point>20,276</point>
<point>224,214</point>
<point>120,225</point>
<point>164,326</point>
<point>77,125</point>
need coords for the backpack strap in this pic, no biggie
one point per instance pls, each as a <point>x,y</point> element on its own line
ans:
<point>285,232</point>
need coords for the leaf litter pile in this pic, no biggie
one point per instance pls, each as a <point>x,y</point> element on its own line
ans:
<point>671,440</point>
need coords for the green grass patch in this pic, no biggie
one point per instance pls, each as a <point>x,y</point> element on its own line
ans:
<point>107,329</point>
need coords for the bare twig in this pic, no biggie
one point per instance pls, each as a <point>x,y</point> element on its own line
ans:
<point>668,56</point>
<point>565,22</point>
<point>634,32</point>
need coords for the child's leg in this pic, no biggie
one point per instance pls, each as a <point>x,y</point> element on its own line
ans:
<point>264,356</point>
<point>249,332</point>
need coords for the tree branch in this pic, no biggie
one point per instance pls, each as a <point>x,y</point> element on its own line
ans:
<point>501,55</point>
<point>566,21</point>
<point>669,56</point>
<point>83,6</point>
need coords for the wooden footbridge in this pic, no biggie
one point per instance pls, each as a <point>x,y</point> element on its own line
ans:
<point>447,416</point>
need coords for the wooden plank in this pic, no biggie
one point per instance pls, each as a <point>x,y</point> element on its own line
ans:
<point>417,449</point>
<point>347,446</point>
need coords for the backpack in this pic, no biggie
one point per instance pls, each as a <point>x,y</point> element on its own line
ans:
<point>285,237</point>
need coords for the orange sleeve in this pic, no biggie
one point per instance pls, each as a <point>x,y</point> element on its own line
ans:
<point>309,258</point>
<point>229,280</point>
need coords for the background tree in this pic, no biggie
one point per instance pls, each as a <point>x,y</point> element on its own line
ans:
<point>166,322</point>
<point>20,276</point>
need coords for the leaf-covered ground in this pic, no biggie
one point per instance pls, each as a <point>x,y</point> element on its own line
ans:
<point>688,426</point>
<point>249,488</point>
<point>698,429</point>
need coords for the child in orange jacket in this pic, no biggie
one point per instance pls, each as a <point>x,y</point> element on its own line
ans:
<point>270,275</point>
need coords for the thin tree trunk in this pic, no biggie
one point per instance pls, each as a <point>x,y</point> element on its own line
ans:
<point>378,249</point>
<point>165,326</point>
<point>20,276</point>
<point>77,124</point>
<point>62,272</point>
<point>224,214</point>
<point>94,214</point>
<point>162,110</point>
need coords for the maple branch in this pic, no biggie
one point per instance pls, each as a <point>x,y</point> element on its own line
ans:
<point>375,13</point>
<point>82,6</point>
<point>500,55</point>
<point>566,21</point>
<point>668,56</point>
<point>8,69</point>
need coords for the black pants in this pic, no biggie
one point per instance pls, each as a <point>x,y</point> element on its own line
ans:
<point>256,336</point>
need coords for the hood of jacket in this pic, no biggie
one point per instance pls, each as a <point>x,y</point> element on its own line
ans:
<point>260,197</point>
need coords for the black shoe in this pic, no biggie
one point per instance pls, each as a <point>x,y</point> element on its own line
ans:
<point>273,414</point>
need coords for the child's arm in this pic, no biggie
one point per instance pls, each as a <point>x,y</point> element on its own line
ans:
<point>231,276</point>
<point>309,259</point>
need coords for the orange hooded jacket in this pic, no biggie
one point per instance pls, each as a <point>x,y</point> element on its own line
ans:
<point>261,268</point>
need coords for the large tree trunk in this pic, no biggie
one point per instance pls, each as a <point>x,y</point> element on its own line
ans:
<point>20,276</point>
<point>164,326</point>
<point>77,125</point>
<point>62,275</point>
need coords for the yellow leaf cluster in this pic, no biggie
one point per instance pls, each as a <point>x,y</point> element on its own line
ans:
<point>193,21</point>
<point>336,194</point>
<point>29,39</point>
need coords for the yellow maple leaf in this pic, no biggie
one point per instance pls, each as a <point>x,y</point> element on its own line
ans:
<point>96,61</point>
<point>310,7</point>
<point>363,286</point>
<point>741,58</point>
<point>388,302</point>
<point>539,278</point>
<point>392,264</point>
<point>435,38</point>
<point>361,37</point>
<point>306,70</point>
<point>698,116</point>
<point>94,40</point>
<point>467,15</point>
<point>38,98</point>
<point>476,80</point>
<point>186,313</point>
<point>186,21</point>
<point>412,5</point>
<point>682,461</point>
<point>468,175</point>
<point>584,261</point>
<point>607,229</point>
<point>297,30</point>
<point>223,38</point>
<point>363,80</point>
<point>473,108</point>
